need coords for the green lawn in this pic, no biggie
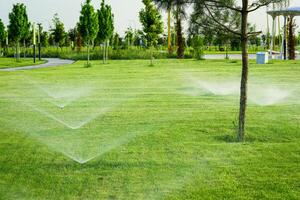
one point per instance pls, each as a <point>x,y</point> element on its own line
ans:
<point>11,62</point>
<point>140,132</point>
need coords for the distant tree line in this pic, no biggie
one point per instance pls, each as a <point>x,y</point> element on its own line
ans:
<point>101,30</point>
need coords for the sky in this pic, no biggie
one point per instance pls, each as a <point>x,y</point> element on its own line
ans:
<point>125,12</point>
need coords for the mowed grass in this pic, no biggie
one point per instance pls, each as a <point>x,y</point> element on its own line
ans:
<point>11,62</point>
<point>150,133</point>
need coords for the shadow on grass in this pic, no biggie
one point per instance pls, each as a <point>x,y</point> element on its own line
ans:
<point>233,139</point>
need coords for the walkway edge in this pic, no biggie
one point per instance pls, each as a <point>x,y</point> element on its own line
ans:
<point>51,62</point>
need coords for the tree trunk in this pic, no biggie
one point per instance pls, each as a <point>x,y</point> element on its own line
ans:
<point>107,46</point>
<point>180,43</point>
<point>244,79</point>
<point>151,54</point>
<point>88,50</point>
<point>103,51</point>
<point>24,44</point>
<point>291,39</point>
<point>284,40</point>
<point>18,51</point>
<point>169,32</point>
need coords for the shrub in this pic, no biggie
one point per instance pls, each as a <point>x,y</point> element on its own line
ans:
<point>198,46</point>
<point>96,53</point>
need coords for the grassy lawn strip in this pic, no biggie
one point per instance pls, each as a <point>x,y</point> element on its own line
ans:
<point>11,62</point>
<point>149,132</point>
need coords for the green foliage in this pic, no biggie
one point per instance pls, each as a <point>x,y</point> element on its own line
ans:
<point>44,39</point>
<point>2,32</point>
<point>18,23</point>
<point>165,4</point>
<point>198,46</point>
<point>58,31</point>
<point>152,23</point>
<point>214,34</point>
<point>88,22</point>
<point>106,22</point>
<point>11,63</point>
<point>116,41</point>
<point>72,34</point>
<point>88,25</point>
<point>87,65</point>
<point>129,36</point>
<point>27,33</point>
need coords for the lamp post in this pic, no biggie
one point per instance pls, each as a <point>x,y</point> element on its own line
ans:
<point>39,39</point>
<point>34,43</point>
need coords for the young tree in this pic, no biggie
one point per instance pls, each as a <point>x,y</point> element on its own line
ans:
<point>72,33</point>
<point>152,23</point>
<point>58,31</point>
<point>116,41</point>
<point>106,22</point>
<point>18,26</point>
<point>44,38</point>
<point>2,34</point>
<point>211,10</point>
<point>106,26</point>
<point>129,37</point>
<point>27,34</point>
<point>79,41</point>
<point>197,43</point>
<point>88,25</point>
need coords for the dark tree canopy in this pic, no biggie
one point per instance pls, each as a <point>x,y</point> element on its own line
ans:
<point>213,34</point>
<point>2,32</point>
<point>58,31</point>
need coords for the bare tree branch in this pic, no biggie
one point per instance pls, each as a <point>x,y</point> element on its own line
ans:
<point>256,5</point>
<point>222,5</point>
<point>222,25</point>
<point>254,33</point>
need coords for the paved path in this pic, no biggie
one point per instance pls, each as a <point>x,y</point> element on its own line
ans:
<point>51,62</point>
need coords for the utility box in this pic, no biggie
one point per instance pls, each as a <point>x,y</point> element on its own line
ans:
<point>262,58</point>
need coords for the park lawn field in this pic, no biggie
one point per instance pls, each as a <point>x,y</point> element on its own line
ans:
<point>125,130</point>
<point>11,62</point>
